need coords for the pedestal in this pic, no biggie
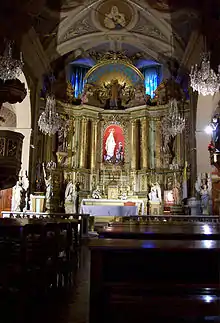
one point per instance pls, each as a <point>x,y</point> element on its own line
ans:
<point>37,203</point>
<point>194,205</point>
<point>155,208</point>
<point>70,208</point>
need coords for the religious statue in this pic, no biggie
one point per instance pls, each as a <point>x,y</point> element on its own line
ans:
<point>96,194</point>
<point>115,92</point>
<point>110,145</point>
<point>167,90</point>
<point>63,136</point>
<point>25,187</point>
<point>88,94</point>
<point>216,133</point>
<point>204,193</point>
<point>114,19</point>
<point>16,196</point>
<point>155,193</point>
<point>119,155</point>
<point>176,193</point>
<point>48,184</point>
<point>69,92</point>
<point>202,187</point>
<point>139,96</point>
<point>70,198</point>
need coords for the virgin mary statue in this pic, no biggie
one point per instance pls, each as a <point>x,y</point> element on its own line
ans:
<point>110,145</point>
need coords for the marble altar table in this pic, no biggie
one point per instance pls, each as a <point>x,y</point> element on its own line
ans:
<point>109,210</point>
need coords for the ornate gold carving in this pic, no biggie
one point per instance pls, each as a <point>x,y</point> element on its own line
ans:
<point>113,59</point>
<point>144,142</point>
<point>133,150</point>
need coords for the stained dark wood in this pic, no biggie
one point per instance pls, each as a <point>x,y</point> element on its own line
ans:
<point>162,231</point>
<point>154,280</point>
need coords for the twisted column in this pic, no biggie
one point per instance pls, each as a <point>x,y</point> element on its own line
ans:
<point>144,143</point>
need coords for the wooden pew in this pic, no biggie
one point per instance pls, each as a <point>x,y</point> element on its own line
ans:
<point>153,280</point>
<point>187,231</point>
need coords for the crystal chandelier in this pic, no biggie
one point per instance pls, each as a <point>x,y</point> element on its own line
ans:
<point>49,121</point>
<point>173,123</point>
<point>10,68</point>
<point>203,79</point>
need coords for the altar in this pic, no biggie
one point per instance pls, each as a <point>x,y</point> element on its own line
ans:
<point>111,208</point>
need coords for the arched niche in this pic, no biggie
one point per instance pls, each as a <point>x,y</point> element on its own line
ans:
<point>18,118</point>
<point>113,144</point>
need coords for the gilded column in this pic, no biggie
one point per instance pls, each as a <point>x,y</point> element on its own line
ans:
<point>158,141</point>
<point>133,145</point>
<point>144,143</point>
<point>151,144</point>
<point>178,148</point>
<point>76,141</point>
<point>94,144</point>
<point>83,143</point>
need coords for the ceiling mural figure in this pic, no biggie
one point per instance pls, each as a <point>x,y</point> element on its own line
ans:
<point>115,19</point>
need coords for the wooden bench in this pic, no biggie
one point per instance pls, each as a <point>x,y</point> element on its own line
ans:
<point>154,280</point>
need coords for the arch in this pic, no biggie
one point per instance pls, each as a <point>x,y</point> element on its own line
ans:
<point>100,37</point>
<point>23,122</point>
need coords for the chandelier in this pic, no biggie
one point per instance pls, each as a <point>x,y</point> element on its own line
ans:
<point>203,79</point>
<point>49,121</point>
<point>173,123</point>
<point>10,68</point>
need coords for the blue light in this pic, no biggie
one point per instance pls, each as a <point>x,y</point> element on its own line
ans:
<point>77,79</point>
<point>151,79</point>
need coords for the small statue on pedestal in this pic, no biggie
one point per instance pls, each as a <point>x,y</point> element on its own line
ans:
<point>16,197</point>
<point>48,184</point>
<point>96,194</point>
<point>70,198</point>
<point>155,193</point>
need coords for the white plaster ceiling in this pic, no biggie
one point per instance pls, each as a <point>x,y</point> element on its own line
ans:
<point>152,32</point>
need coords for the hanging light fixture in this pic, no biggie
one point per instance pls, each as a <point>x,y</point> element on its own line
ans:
<point>10,68</point>
<point>49,121</point>
<point>173,123</point>
<point>203,78</point>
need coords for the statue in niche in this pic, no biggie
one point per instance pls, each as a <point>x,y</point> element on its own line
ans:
<point>110,145</point>
<point>63,136</point>
<point>48,184</point>
<point>115,92</point>
<point>114,19</point>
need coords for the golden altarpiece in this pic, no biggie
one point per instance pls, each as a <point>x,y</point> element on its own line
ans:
<point>113,142</point>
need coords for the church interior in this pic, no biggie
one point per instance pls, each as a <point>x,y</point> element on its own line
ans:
<point>110,130</point>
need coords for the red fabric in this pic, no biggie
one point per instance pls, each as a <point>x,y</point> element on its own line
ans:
<point>118,136</point>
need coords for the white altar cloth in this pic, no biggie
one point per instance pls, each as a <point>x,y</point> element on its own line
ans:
<point>109,210</point>
<point>109,202</point>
